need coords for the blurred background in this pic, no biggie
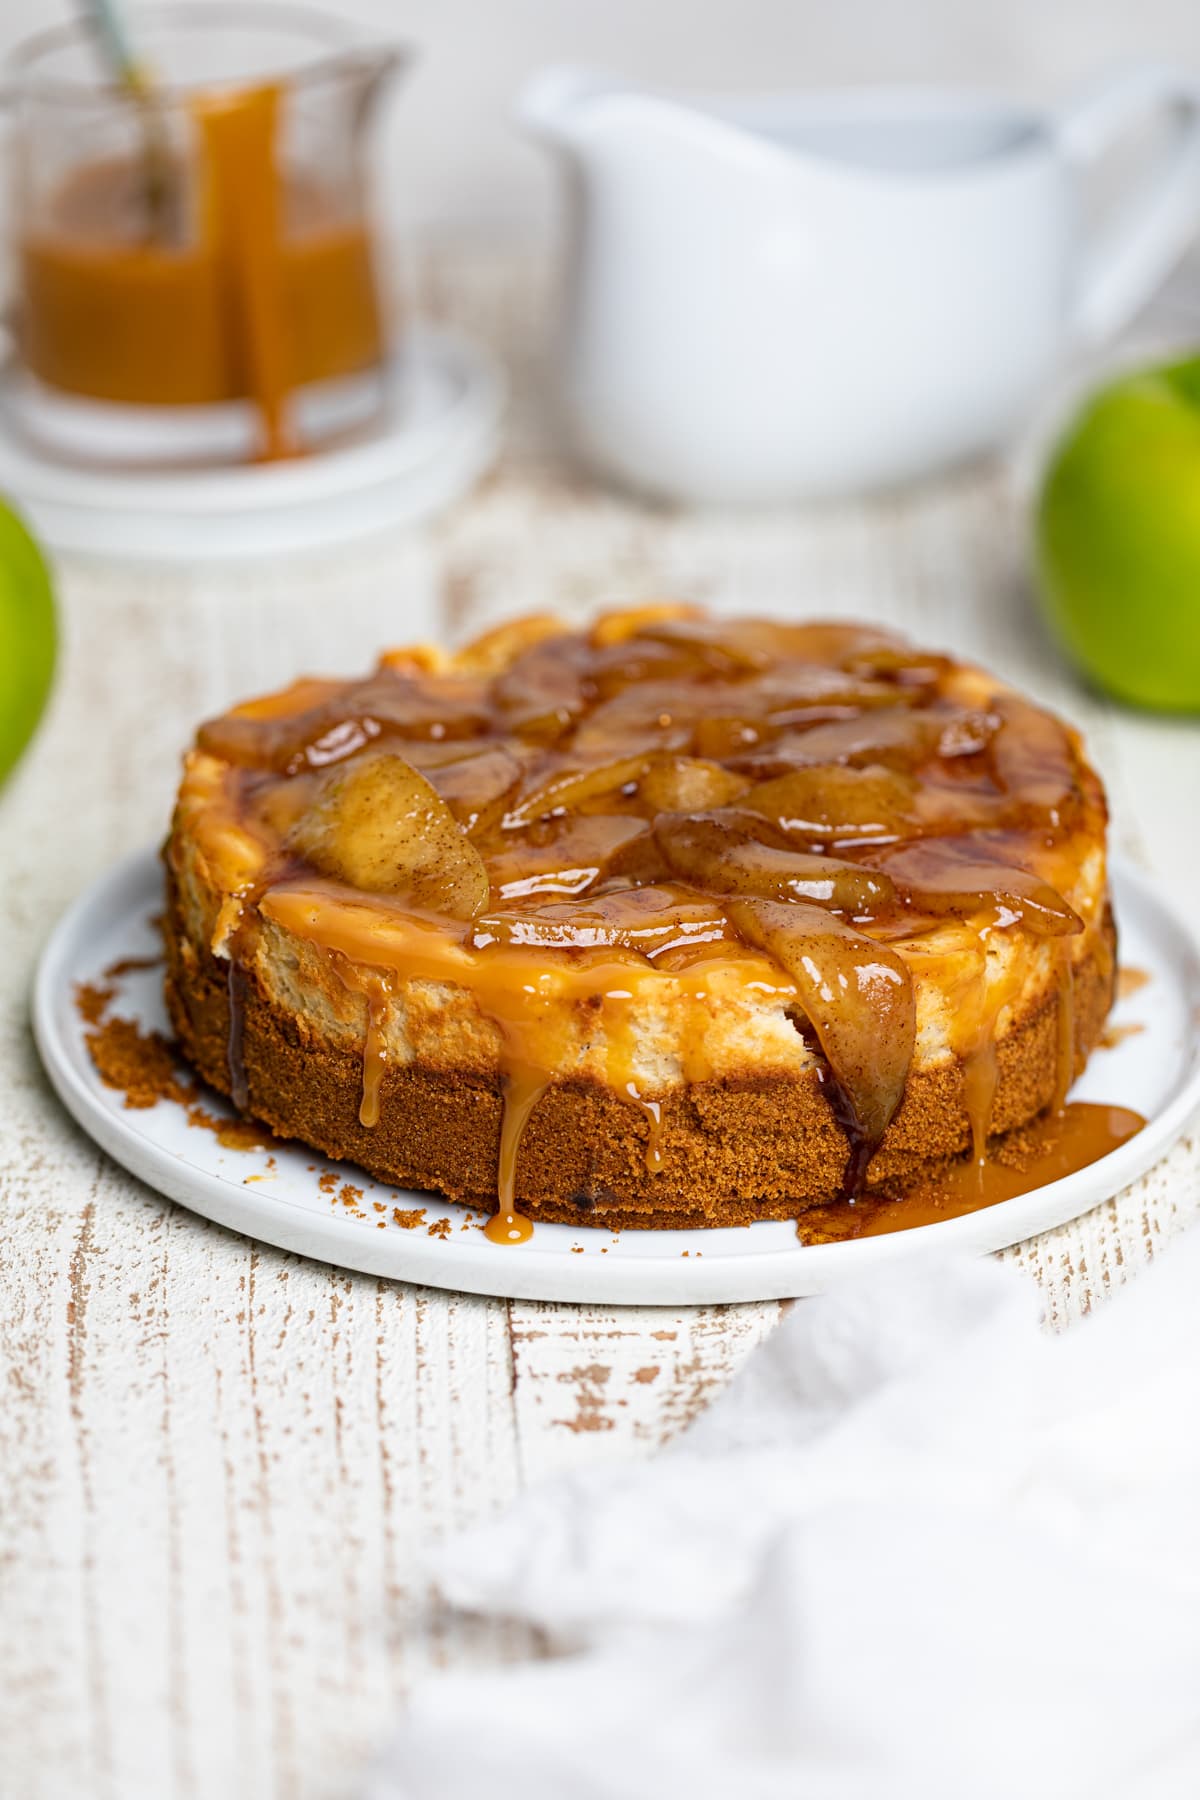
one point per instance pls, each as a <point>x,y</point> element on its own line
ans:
<point>459,166</point>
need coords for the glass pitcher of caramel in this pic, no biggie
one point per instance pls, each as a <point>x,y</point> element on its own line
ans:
<point>196,279</point>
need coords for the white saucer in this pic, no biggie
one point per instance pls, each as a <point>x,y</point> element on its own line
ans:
<point>1157,1072</point>
<point>442,435</point>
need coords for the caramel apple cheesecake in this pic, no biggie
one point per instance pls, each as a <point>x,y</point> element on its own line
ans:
<point>675,920</point>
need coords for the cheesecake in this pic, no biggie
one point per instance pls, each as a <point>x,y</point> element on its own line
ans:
<point>675,920</point>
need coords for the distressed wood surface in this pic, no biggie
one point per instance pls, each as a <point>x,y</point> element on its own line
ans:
<point>222,1466</point>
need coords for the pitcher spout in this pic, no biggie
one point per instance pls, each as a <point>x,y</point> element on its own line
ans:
<point>590,114</point>
<point>553,104</point>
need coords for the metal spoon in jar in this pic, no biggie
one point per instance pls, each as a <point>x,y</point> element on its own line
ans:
<point>116,43</point>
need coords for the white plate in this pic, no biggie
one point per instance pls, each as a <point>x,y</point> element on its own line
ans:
<point>1157,1072</point>
<point>443,433</point>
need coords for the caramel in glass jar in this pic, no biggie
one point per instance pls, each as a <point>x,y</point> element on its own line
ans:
<point>253,281</point>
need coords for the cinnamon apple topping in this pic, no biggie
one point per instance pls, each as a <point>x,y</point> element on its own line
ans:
<point>662,789</point>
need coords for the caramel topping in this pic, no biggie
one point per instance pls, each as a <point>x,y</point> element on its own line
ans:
<point>556,813</point>
<point>1116,1035</point>
<point>1054,1147</point>
<point>376,989</point>
<point>1131,981</point>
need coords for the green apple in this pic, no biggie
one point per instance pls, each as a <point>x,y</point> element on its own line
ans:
<point>1118,538</point>
<point>27,637</point>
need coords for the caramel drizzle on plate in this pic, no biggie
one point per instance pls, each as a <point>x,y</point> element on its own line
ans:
<point>1053,1147</point>
<point>575,815</point>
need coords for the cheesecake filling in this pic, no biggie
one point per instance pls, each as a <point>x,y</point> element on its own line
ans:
<point>573,825</point>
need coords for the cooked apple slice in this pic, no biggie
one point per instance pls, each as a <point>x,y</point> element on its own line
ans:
<point>791,693</point>
<point>499,648</point>
<point>380,827</point>
<point>896,737</point>
<point>688,784</point>
<point>688,647</point>
<point>719,853</point>
<point>582,852</point>
<point>541,695</point>
<point>727,734</point>
<point>653,715</point>
<point>964,876</point>
<point>332,727</point>
<point>643,660</point>
<point>475,786</point>
<point>858,997</point>
<point>1035,765</point>
<point>760,643</point>
<point>251,735</point>
<point>839,805</point>
<point>639,862</point>
<point>648,920</point>
<point>631,621</point>
<point>834,804</point>
<point>900,664</point>
<point>570,789</point>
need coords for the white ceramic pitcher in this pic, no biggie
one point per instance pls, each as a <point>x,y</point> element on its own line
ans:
<point>810,295</point>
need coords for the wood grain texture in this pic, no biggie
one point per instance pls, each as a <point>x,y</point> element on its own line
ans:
<point>222,1466</point>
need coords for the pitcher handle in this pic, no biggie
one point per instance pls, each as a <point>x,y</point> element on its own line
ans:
<point>1139,250</point>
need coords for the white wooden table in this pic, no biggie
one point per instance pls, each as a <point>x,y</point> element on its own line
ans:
<point>221,1466</point>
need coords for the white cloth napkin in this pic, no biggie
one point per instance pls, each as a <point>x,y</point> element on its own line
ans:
<point>920,1547</point>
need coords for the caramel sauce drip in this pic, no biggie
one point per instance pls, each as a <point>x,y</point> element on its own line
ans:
<point>979,1017</point>
<point>233,941</point>
<point>568,816</point>
<point>1130,981</point>
<point>1058,1145</point>
<point>243,206</point>
<point>523,1088</point>
<point>980,1077</point>
<point>652,1112</point>
<point>977,1034</point>
<point>1064,1070</point>
<point>375,1053</point>
<point>239,1087</point>
<point>376,988</point>
<point>250,281</point>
